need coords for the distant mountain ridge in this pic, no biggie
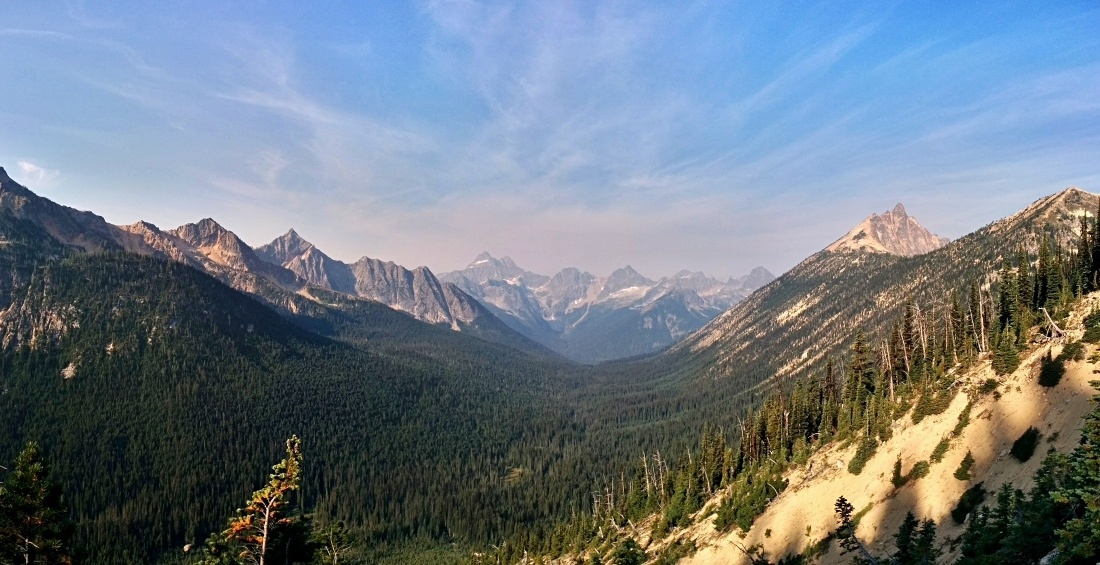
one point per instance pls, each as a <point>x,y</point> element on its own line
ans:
<point>289,274</point>
<point>590,318</point>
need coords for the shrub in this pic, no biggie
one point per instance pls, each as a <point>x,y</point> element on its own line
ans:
<point>970,500</point>
<point>863,454</point>
<point>676,551</point>
<point>1051,371</point>
<point>897,479</point>
<point>629,553</point>
<point>919,471</point>
<point>1024,447</point>
<point>940,451</point>
<point>1092,328</point>
<point>963,472</point>
<point>988,386</point>
<point>930,404</point>
<point>1005,358</point>
<point>1073,351</point>
<point>964,420</point>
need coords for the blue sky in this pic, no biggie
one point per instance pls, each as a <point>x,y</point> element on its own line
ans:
<point>711,136</point>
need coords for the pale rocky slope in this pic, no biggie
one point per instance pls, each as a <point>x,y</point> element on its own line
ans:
<point>803,514</point>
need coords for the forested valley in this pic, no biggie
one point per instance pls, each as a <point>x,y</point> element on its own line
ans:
<point>156,398</point>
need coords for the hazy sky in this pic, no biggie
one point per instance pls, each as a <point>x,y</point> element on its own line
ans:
<point>711,136</point>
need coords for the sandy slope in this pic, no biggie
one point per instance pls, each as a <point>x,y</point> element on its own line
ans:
<point>803,514</point>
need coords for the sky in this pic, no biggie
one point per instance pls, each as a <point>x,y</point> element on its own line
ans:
<point>712,136</point>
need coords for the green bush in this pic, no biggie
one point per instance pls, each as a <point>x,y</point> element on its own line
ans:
<point>629,553</point>
<point>1092,328</point>
<point>898,480</point>
<point>863,454</point>
<point>964,420</point>
<point>988,386</point>
<point>1073,351</point>
<point>1024,447</point>
<point>940,451</point>
<point>675,552</point>
<point>930,404</point>
<point>919,471</point>
<point>963,472</point>
<point>970,500</point>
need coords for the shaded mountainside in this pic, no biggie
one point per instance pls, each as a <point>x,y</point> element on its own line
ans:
<point>591,319</point>
<point>807,315</point>
<point>179,388</point>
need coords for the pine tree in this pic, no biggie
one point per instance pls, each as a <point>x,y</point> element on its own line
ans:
<point>34,526</point>
<point>266,527</point>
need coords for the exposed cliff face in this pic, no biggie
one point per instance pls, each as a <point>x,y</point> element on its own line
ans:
<point>416,292</point>
<point>309,263</point>
<point>894,232</point>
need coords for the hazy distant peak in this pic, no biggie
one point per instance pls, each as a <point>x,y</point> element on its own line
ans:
<point>623,278</point>
<point>483,257</point>
<point>894,232</point>
<point>760,276</point>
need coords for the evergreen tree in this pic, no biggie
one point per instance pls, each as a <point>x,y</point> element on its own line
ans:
<point>34,526</point>
<point>266,530</point>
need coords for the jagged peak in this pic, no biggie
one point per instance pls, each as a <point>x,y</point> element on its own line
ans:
<point>142,225</point>
<point>894,232</point>
<point>4,175</point>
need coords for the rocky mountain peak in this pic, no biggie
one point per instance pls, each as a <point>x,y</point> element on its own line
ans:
<point>4,175</point>
<point>894,232</point>
<point>623,278</point>
<point>760,276</point>
<point>204,233</point>
<point>284,248</point>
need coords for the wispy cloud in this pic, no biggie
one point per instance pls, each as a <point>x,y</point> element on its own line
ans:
<point>35,176</point>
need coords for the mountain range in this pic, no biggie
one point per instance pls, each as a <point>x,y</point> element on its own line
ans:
<point>592,319</point>
<point>149,350</point>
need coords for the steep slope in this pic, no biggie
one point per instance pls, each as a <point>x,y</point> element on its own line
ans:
<point>807,315</point>
<point>176,385</point>
<point>893,232</point>
<point>592,319</point>
<point>803,515</point>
